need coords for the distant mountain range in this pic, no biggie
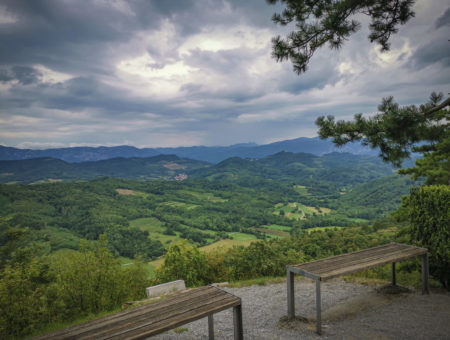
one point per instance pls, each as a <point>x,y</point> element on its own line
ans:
<point>211,154</point>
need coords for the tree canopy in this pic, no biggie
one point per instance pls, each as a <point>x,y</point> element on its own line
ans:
<point>399,130</point>
<point>326,21</point>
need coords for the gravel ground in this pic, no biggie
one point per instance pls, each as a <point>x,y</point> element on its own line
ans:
<point>349,311</point>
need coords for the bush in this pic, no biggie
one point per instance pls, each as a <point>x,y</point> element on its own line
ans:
<point>430,227</point>
<point>92,280</point>
<point>38,291</point>
<point>184,262</point>
<point>261,259</point>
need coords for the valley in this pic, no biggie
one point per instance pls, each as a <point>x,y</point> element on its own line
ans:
<point>126,223</point>
<point>142,209</point>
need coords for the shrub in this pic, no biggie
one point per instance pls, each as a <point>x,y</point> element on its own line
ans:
<point>184,262</point>
<point>429,208</point>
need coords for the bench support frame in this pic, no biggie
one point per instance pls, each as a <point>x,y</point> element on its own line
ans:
<point>425,273</point>
<point>292,270</point>
<point>237,318</point>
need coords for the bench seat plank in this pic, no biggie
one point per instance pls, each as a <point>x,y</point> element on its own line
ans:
<point>152,318</point>
<point>328,268</point>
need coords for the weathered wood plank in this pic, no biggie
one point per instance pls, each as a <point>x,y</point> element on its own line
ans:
<point>385,249</point>
<point>356,260</point>
<point>342,257</point>
<point>353,262</point>
<point>144,331</point>
<point>153,318</point>
<point>343,260</point>
<point>131,313</point>
<point>161,317</point>
<point>364,266</point>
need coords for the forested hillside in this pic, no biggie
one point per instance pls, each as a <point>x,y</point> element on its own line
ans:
<point>51,169</point>
<point>238,198</point>
<point>299,207</point>
<point>325,176</point>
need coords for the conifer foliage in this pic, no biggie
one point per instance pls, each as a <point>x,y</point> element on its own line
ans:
<point>333,21</point>
<point>399,130</point>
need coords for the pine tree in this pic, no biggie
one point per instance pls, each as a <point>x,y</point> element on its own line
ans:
<point>333,21</point>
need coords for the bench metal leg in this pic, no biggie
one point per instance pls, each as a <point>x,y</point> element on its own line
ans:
<point>394,281</point>
<point>237,317</point>
<point>290,295</point>
<point>318,308</point>
<point>211,327</point>
<point>425,287</point>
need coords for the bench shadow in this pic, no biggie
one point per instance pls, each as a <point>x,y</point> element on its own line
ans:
<point>373,300</point>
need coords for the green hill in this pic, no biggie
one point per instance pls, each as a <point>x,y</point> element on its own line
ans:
<point>324,176</point>
<point>375,198</point>
<point>51,170</point>
<point>283,192</point>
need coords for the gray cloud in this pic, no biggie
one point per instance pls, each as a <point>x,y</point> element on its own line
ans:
<point>433,52</point>
<point>23,74</point>
<point>443,20</point>
<point>175,72</point>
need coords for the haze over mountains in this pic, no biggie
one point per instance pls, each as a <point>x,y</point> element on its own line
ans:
<point>211,154</point>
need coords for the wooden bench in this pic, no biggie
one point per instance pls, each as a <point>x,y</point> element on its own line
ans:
<point>158,317</point>
<point>331,267</point>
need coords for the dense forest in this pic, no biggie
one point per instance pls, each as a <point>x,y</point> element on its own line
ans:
<point>58,236</point>
<point>286,191</point>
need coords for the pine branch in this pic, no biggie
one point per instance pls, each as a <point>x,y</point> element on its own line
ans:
<point>438,107</point>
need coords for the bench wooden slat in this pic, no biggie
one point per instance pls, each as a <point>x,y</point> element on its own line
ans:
<point>368,265</point>
<point>365,259</point>
<point>146,330</point>
<point>152,318</point>
<point>164,317</point>
<point>186,301</point>
<point>127,314</point>
<point>351,261</point>
<point>343,258</point>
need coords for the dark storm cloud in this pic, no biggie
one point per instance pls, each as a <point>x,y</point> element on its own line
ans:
<point>82,93</point>
<point>23,74</point>
<point>436,51</point>
<point>141,72</point>
<point>69,36</point>
<point>443,20</point>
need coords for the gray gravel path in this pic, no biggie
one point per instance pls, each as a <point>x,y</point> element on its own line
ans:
<point>350,311</point>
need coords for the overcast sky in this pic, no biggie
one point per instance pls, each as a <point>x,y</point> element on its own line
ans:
<point>182,73</point>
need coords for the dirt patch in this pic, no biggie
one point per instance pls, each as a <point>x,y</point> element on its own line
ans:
<point>314,210</point>
<point>272,232</point>
<point>125,192</point>
<point>174,166</point>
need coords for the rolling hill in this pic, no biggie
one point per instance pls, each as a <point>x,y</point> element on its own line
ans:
<point>51,169</point>
<point>211,154</point>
